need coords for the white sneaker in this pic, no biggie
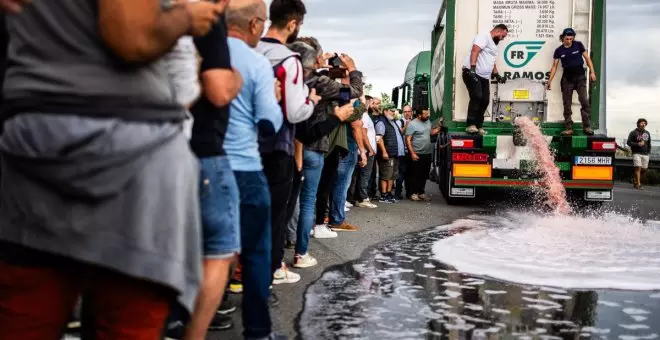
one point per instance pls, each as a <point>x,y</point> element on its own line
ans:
<point>348,204</point>
<point>283,275</point>
<point>347,209</point>
<point>367,204</point>
<point>304,261</point>
<point>323,231</point>
<point>472,129</point>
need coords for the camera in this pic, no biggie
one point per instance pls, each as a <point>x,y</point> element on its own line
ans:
<point>336,71</point>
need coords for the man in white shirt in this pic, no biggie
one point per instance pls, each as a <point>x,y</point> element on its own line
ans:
<point>364,174</point>
<point>478,67</point>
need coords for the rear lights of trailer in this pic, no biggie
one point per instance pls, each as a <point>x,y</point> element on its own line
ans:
<point>604,173</point>
<point>603,146</point>
<point>462,143</point>
<point>471,170</point>
<point>469,157</point>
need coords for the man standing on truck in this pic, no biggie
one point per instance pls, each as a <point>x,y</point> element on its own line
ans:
<point>639,142</point>
<point>572,54</point>
<point>478,67</point>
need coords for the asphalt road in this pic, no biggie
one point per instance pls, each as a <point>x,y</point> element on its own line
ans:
<point>392,220</point>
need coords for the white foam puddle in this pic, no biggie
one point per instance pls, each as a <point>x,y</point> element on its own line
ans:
<point>606,251</point>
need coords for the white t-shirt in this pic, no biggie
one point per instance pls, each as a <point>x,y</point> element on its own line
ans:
<point>487,56</point>
<point>368,124</point>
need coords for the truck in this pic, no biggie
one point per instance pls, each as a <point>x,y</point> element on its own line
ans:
<point>466,166</point>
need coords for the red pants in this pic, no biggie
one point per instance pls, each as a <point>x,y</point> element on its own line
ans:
<point>36,301</point>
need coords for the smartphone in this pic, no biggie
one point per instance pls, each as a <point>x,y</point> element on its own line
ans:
<point>344,95</point>
<point>334,61</point>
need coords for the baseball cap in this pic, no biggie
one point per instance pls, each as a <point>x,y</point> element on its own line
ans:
<point>568,32</point>
<point>387,106</point>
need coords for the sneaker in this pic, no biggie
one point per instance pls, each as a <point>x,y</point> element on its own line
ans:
<point>175,331</point>
<point>367,204</point>
<point>304,261</point>
<point>588,131</point>
<point>344,227</point>
<point>472,129</point>
<point>483,132</point>
<point>283,275</point>
<point>227,307</point>
<point>567,132</point>
<point>384,199</point>
<point>235,286</point>
<point>322,231</point>
<point>221,322</point>
<point>425,198</point>
<point>399,197</point>
<point>415,198</point>
<point>348,204</point>
<point>347,209</point>
<point>391,199</point>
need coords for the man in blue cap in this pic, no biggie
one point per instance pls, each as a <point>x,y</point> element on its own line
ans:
<point>572,54</point>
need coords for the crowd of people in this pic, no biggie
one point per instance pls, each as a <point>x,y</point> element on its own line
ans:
<point>157,154</point>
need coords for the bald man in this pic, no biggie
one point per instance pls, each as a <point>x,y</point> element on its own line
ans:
<point>255,112</point>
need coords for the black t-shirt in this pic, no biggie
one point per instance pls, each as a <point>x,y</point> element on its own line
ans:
<point>210,126</point>
<point>571,58</point>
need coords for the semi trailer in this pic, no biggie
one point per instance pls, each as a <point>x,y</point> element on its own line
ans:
<point>466,165</point>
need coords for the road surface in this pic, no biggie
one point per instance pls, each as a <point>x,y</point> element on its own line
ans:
<point>391,221</point>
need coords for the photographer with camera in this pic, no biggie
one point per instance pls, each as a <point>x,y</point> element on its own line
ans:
<point>330,156</point>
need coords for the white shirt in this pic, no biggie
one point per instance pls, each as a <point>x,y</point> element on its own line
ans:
<point>487,56</point>
<point>368,124</point>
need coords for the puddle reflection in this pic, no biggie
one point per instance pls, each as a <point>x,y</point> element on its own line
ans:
<point>397,291</point>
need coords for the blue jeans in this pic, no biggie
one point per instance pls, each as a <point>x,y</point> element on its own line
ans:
<point>343,181</point>
<point>312,168</point>
<point>256,239</point>
<point>218,198</point>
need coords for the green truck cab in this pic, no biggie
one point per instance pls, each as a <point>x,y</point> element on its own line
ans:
<point>466,165</point>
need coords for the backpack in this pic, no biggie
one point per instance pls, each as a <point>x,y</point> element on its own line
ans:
<point>280,74</point>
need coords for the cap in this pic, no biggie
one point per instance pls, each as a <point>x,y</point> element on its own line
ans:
<point>568,32</point>
<point>388,106</point>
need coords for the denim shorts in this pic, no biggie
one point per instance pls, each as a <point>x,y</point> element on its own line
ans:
<point>219,201</point>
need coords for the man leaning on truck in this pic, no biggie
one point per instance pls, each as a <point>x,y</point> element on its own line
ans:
<point>478,67</point>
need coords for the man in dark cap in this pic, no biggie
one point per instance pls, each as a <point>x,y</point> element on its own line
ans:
<point>572,54</point>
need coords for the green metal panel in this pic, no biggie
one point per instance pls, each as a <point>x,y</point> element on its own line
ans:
<point>489,141</point>
<point>597,38</point>
<point>563,166</point>
<point>448,98</point>
<point>579,142</point>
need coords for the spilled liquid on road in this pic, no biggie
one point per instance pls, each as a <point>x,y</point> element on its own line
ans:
<point>400,290</point>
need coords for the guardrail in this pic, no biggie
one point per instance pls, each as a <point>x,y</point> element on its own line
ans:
<point>627,162</point>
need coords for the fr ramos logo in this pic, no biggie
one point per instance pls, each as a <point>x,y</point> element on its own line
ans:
<point>520,53</point>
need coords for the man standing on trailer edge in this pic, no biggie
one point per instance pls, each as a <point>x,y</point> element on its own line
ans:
<point>572,54</point>
<point>478,67</point>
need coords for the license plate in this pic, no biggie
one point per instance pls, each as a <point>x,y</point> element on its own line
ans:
<point>587,160</point>
<point>599,195</point>
<point>467,192</point>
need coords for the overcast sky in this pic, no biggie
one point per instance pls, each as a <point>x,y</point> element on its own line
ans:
<point>383,35</point>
